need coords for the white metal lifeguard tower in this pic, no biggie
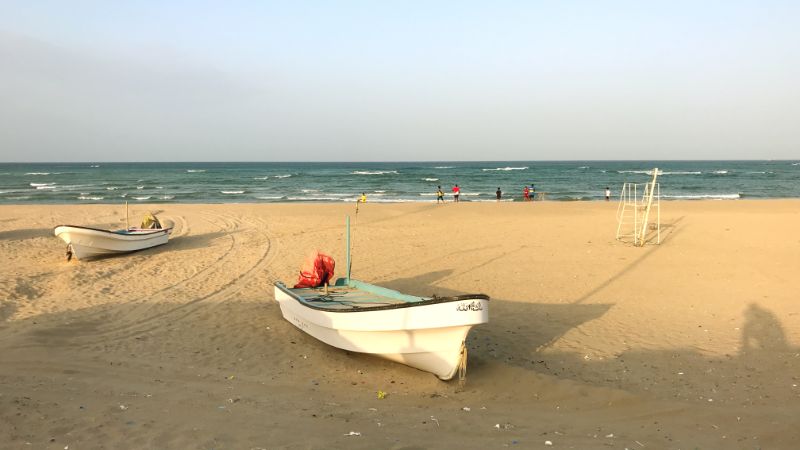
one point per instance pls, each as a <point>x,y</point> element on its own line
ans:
<point>635,220</point>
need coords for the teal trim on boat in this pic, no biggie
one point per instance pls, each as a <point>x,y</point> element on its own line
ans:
<point>377,290</point>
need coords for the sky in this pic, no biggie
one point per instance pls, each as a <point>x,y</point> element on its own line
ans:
<point>398,80</point>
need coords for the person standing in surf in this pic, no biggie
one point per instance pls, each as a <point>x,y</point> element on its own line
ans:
<point>608,194</point>
<point>499,194</point>
<point>439,194</point>
<point>456,193</point>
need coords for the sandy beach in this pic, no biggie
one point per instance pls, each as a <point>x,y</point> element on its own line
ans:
<point>591,343</point>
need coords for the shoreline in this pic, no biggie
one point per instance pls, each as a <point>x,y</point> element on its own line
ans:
<point>703,198</point>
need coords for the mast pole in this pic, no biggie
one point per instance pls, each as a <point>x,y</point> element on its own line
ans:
<point>127,224</point>
<point>347,243</point>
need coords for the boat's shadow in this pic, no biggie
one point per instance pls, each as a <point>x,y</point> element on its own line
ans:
<point>517,329</point>
<point>193,241</point>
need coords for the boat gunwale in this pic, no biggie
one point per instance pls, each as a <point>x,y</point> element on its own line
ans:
<point>429,301</point>
<point>139,231</point>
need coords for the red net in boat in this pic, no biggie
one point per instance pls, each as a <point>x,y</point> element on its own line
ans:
<point>317,270</point>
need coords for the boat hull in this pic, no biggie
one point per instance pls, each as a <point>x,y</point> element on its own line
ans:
<point>87,243</point>
<point>429,337</point>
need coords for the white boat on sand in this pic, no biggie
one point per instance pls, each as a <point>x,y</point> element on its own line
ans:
<point>427,333</point>
<point>85,242</point>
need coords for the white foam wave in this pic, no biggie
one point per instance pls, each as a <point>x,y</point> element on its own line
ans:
<point>38,173</point>
<point>306,191</point>
<point>270,197</point>
<point>139,187</point>
<point>704,196</point>
<point>195,170</point>
<point>231,192</point>
<point>95,165</point>
<point>283,176</point>
<point>463,194</point>
<point>583,167</point>
<point>678,173</point>
<point>504,169</point>
<point>720,172</point>
<point>312,199</point>
<point>646,172</point>
<point>392,200</point>
<point>36,185</point>
<point>145,197</point>
<point>260,178</point>
<point>443,167</point>
<point>376,172</point>
<point>112,188</point>
<point>167,197</point>
<point>430,179</point>
<point>45,187</point>
<point>90,197</point>
<point>380,192</point>
<point>796,164</point>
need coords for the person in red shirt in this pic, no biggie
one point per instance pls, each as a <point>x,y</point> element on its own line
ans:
<point>526,194</point>
<point>456,193</point>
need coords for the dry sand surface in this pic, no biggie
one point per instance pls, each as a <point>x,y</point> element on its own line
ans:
<point>591,343</point>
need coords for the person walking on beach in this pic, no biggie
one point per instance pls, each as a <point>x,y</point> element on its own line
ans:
<point>363,198</point>
<point>439,195</point>
<point>608,194</point>
<point>456,193</point>
<point>499,194</point>
<point>526,194</point>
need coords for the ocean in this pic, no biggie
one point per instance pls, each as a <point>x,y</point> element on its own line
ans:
<point>260,182</point>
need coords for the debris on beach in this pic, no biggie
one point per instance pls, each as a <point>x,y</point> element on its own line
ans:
<point>548,443</point>
<point>382,395</point>
<point>353,433</point>
<point>466,408</point>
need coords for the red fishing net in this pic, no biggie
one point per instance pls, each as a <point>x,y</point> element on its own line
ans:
<point>317,270</point>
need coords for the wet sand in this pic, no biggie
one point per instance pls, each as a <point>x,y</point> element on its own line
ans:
<point>592,343</point>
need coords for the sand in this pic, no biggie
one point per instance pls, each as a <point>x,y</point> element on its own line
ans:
<point>591,343</point>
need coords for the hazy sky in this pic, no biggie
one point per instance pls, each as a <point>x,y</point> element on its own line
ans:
<point>398,80</point>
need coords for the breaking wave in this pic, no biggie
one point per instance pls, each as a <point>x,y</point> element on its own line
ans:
<point>704,196</point>
<point>376,172</point>
<point>504,169</point>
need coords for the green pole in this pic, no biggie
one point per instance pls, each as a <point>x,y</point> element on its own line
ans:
<point>347,242</point>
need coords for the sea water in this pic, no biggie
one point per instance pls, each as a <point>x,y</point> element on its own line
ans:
<point>262,182</point>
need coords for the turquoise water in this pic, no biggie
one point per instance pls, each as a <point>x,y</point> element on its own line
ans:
<point>385,182</point>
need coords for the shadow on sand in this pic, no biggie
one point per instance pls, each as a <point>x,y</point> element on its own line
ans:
<point>518,332</point>
<point>28,233</point>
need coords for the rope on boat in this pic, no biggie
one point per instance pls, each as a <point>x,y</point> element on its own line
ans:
<point>353,239</point>
<point>462,366</point>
